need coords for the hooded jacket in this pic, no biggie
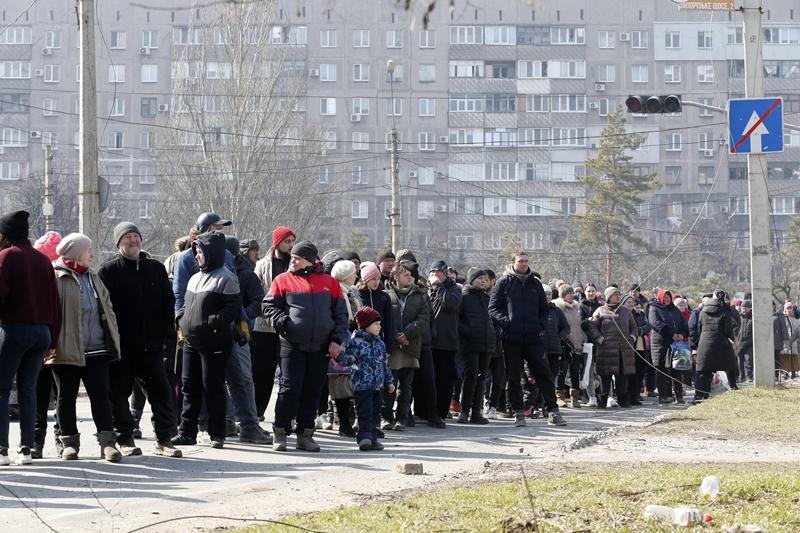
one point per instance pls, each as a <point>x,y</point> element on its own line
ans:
<point>71,347</point>
<point>307,309</point>
<point>143,301</point>
<point>716,330</point>
<point>411,315</point>
<point>445,301</point>
<point>519,307</point>
<point>573,314</point>
<point>213,300</point>
<point>476,331</point>
<point>615,331</point>
<point>380,301</point>
<point>366,356</point>
<point>744,334</point>
<point>556,329</point>
<point>186,266</point>
<point>267,269</point>
<point>666,320</point>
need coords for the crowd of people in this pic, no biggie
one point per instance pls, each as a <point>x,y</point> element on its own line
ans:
<point>367,346</point>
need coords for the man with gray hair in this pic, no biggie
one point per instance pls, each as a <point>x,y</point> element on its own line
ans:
<point>143,302</point>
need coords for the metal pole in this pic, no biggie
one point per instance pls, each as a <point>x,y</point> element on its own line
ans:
<point>760,266</point>
<point>395,167</point>
<point>47,208</point>
<point>88,197</point>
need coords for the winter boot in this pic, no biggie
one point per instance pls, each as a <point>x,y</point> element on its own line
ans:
<point>561,398</point>
<point>278,439</point>
<point>573,394</point>
<point>108,446</point>
<point>602,401</point>
<point>305,441</point>
<point>128,447</point>
<point>72,445</point>
<point>59,444</point>
<point>38,445</point>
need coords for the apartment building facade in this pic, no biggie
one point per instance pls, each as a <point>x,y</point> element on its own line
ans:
<point>498,103</point>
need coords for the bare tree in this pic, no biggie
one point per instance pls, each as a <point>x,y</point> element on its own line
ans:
<point>237,142</point>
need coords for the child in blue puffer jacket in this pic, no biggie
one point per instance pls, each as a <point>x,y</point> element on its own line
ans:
<point>366,356</point>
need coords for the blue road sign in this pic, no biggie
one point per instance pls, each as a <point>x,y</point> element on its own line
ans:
<point>755,125</point>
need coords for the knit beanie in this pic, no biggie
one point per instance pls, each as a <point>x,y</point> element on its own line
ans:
<point>406,255</point>
<point>547,288</point>
<point>343,269</point>
<point>351,256</point>
<point>232,245</point>
<point>247,245</point>
<point>329,259</point>
<point>122,229</point>
<point>366,316</point>
<point>48,243</point>
<point>610,291</point>
<point>474,273</point>
<point>14,226</point>
<point>306,250</point>
<point>73,246</point>
<point>369,271</point>
<point>438,266</point>
<point>280,233</point>
<point>385,255</point>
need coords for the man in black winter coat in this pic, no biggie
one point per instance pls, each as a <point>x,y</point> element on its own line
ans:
<point>142,297</point>
<point>445,297</point>
<point>519,307</point>
<point>744,342</point>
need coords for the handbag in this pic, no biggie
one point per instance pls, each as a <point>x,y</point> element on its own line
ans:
<point>681,356</point>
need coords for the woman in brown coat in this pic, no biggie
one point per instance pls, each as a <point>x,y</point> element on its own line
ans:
<point>614,328</point>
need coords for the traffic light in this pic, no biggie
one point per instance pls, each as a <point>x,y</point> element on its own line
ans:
<point>654,104</point>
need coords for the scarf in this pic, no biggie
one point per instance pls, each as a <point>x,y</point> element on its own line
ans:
<point>72,265</point>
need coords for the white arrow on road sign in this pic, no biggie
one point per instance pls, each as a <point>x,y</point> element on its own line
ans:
<point>755,137</point>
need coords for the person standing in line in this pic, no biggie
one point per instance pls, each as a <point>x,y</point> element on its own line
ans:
<point>519,307</point>
<point>668,326</point>
<point>496,385</point>
<point>642,346</point>
<point>556,334</point>
<point>386,262</point>
<point>477,342</point>
<point>308,310</point>
<point>445,296</point>
<point>212,306</point>
<point>88,344</point>
<point>265,344</point>
<point>143,303</point>
<point>571,361</point>
<point>30,325</point>
<point>716,328</point>
<point>744,342</point>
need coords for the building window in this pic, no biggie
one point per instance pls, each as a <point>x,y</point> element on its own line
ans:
<point>532,69</point>
<point>15,35</point>
<point>330,140</point>
<point>361,106</point>
<point>702,112</point>
<point>327,72</point>
<point>119,40</point>
<point>396,76</point>
<point>607,73</point>
<point>144,209</point>
<point>567,35</point>
<point>394,107</point>
<point>673,142</point>
<point>221,36</point>
<point>218,71</point>
<point>425,176</point>
<point>569,103</point>
<point>186,35</point>
<point>501,103</point>
<point>360,140</point>
<point>704,39</point>
<point>149,106</point>
<point>605,106</point>
<point>327,38</point>
<point>327,106</point>
<point>672,175</point>
<point>427,39</point>
<point>500,172</point>
<point>149,73</point>
<point>147,139</point>
<point>361,72</point>
<point>502,137</point>
<point>500,35</point>
<point>359,175</point>
<point>52,73</point>
<point>147,176</point>
<point>52,39</point>
<point>569,137</point>
<point>116,107</point>
<point>425,209</point>
<point>639,73</point>
<point>705,73</point>
<point>15,70</point>
<point>326,174</point>
<point>10,170</point>
<point>465,103</point>
<point>533,240</point>
<point>466,34</point>
<point>534,136</point>
<point>394,39</point>
<point>537,171</point>
<point>116,74</point>
<point>360,38</point>
<point>672,73</point>
<point>13,137</point>
<point>567,69</point>
<point>15,103</point>
<point>606,39</point>
<point>537,103</point>
<point>466,136</point>
<point>704,142</point>
<point>466,69</point>
<point>150,39</point>
<point>569,206</point>
<point>360,209</point>
<point>427,107</point>
<point>461,240</point>
<point>49,107</point>
<point>705,175</point>
<point>427,73</point>
<point>782,205</point>
<point>497,206</point>
<point>116,140</point>
<point>672,39</point>
<point>640,39</point>
<point>735,35</point>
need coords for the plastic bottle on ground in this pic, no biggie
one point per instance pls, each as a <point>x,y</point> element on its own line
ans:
<point>709,488</point>
<point>678,516</point>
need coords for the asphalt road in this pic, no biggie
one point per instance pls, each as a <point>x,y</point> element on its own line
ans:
<point>244,480</point>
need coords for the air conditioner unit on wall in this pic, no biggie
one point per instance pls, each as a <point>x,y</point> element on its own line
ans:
<point>593,105</point>
<point>694,210</point>
<point>441,209</point>
<point>355,117</point>
<point>708,153</point>
<point>163,108</point>
<point>624,37</point>
<point>314,73</point>
<point>47,52</point>
<point>35,134</point>
<point>39,72</point>
<point>144,51</point>
<point>412,173</point>
<point>444,139</point>
<point>599,86</point>
<point>724,209</point>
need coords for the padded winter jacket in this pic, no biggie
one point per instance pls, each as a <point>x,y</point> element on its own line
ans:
<point>573,314</point>
<point>186,266</point>
<point>445,301</point>
<point>213,301</point>
<point>716,329</point>
<point>666,321</point>
<point>476,331</point>
<point>266,272</point>
<point>556,329</point>
<point>250,287</point>
<point>615,331</point>
<point>307,309</point>
<point>366,356</point>
<point>379,300</point>
<point>411,315</point>
<point>519,307</point>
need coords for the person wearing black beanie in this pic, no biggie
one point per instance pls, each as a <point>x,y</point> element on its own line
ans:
<point>306,250</point>
<point>14,226</point>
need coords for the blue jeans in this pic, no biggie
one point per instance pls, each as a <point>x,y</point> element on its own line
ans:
<point>300,385</point>
<point>239,385</point>
<point>22,347</point>
<point>368,407</point>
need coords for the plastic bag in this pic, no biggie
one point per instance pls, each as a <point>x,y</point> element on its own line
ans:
<point>681,356</point>
<point>588,348</point>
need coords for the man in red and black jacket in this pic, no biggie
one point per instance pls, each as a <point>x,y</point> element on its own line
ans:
<point>309,313</point>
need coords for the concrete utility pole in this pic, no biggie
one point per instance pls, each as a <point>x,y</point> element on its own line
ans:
<point>47,207</point>
<point>760,265</point>
<point>394,162</point>
<point>88,197</point>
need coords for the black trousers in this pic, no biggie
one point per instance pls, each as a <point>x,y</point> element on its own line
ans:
<point>404,383</point>
<point>265,349</point>
<point>497,367</point>
<point>667,380</point>
<point>368,407</point>
<point>425,390</point>
<point>147,369</point>
<point>95,379</point>
<point>569,363</point>
<point>444,365</point>
<point>538,366</point>
<point>44,389</point>
<point>475,366</point>
<point>302,376</point>
<point>204,376</point>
